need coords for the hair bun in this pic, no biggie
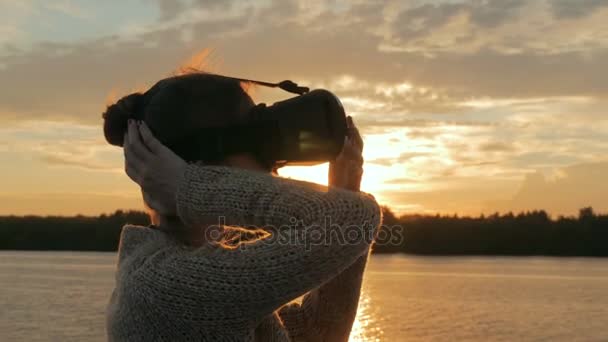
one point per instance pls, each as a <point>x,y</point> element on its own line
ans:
<point>117,116</point>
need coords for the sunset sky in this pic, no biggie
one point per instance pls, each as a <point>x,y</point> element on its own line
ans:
<point>466,106</point>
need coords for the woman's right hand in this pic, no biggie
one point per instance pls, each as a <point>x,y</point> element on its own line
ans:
<point>154,167</point>
<point>346,171</point>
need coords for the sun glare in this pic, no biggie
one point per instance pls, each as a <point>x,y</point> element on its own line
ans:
<point>316,174</point>
<point>381,154</point>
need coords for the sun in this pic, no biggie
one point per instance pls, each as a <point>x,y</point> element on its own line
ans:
<point>316,174</point>
<point>396,166</point>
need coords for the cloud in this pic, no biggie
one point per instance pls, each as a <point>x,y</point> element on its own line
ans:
<point>494,12</point>
<point>402,158</point>
<point>413,23</point>
<point>401,181</point>
<point>61,145</point>
<point>170,9</point>
<point>9,33</point>
<point>446,92</point>
<point>496,146</point>
<point>76,162</point>
<point>419,21</point>
<point>463,196</point>
<point>566,9</point>
<point>68,8</point>
<point>331,47</point>
<point>564,191</point>
<point>508,27</point>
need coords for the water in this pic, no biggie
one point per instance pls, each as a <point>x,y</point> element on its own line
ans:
<point>60,296</point>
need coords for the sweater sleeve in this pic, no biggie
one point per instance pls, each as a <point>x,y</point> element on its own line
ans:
<point>210,194</point>
<point>316,233</point>
<point>328,312</point>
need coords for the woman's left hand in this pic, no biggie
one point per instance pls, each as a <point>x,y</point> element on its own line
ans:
<point>346,171</point>
<point>153,166</point>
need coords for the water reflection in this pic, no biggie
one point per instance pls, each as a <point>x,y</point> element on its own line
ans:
<point>61,296</point>
<point>365,327</point>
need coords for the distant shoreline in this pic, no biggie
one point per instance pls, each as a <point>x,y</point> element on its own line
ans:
<point>375,253</point>
<point>529,234</point>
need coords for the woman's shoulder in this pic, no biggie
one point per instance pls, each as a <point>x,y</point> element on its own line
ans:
<point>140,240</point>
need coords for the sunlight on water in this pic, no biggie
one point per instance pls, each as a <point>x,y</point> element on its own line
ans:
<point>61,296</point>
<point>364,327</point>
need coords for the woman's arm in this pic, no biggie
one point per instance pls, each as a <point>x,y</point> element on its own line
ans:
<point>210,194</point>
<point>253,280</point>
<point>328,312</point>
<point>218,284</point>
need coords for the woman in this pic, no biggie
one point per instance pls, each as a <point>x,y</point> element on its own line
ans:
<point>194,274</point>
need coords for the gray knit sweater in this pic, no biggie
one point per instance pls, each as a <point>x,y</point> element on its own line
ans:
<point>166,291</point>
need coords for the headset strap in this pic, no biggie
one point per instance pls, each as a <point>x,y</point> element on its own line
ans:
<point>287,85</point>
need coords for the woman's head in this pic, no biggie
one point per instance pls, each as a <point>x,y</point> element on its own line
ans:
<point>177,108</point>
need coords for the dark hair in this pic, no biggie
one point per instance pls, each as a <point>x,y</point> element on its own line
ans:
<point>178,107</point>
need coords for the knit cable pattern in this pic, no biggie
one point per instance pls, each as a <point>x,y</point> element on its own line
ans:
<point>166,291</point>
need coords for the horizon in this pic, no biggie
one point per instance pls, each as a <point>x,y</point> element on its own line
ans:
<point>397,215</point>
<point>466,107</point>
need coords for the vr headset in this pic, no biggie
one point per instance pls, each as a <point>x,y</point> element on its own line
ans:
<point>307,129</point>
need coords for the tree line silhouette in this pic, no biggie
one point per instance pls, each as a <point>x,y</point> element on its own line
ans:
<point>528,233</point>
